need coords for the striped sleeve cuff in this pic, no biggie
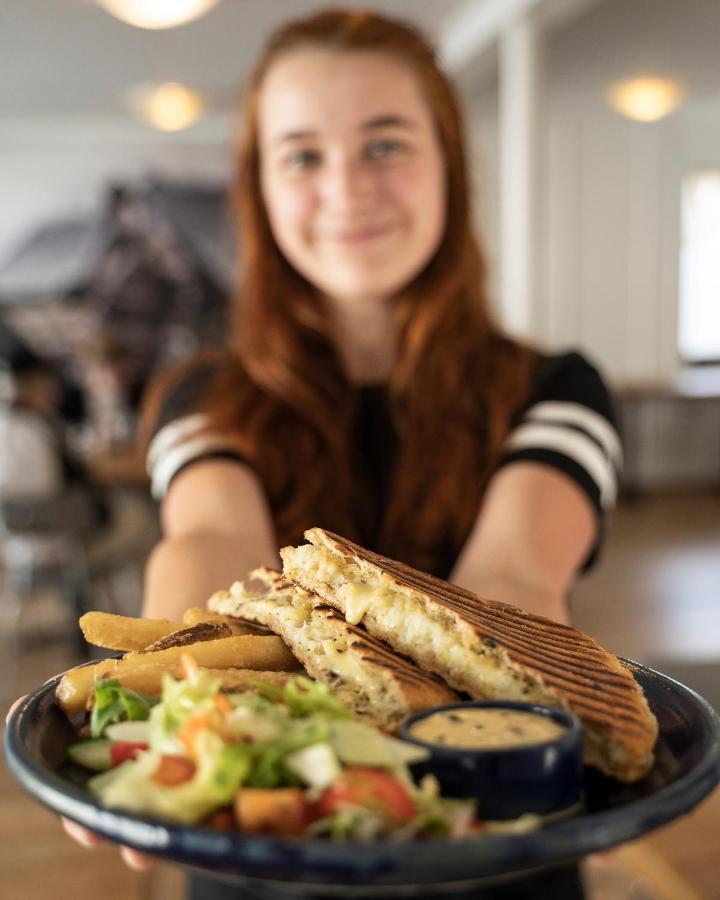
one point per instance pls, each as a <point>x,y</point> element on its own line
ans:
<point>575,439</point>
<point>178,444</point>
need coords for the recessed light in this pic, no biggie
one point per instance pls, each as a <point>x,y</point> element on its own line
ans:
<point>157,14</point>
<point>167,107</point>
<point>645,99</point>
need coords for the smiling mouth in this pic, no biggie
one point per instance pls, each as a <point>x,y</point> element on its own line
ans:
<point>361,235</point>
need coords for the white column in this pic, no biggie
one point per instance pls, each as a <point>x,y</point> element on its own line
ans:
<point>519,177</point>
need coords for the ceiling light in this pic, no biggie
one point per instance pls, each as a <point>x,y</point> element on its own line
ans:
<point>157,13</point>
<point>167,107</point>
<point>645,99</point>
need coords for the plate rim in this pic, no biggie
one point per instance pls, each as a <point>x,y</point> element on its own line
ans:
<point>228,852</point>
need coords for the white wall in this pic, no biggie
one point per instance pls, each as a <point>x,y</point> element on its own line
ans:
<point>609,235</point>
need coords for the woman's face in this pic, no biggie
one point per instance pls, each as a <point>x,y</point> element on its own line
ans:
<point>352,172</point>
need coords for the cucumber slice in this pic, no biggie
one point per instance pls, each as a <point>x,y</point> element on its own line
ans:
<point>357,744</point>
<point>131,732</point>
<point>93,754</point>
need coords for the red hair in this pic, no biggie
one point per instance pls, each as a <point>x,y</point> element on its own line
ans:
<point>457,380</point>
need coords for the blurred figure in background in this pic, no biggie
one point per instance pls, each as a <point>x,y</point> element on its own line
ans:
<point>111,389</point>
<point>49,483</point>
<point>36,461</point>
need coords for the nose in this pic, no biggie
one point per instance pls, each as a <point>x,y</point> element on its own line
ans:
<point>347,184</point>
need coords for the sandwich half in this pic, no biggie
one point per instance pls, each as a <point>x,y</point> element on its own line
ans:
<point>379,685</point>
<point>486,649</point>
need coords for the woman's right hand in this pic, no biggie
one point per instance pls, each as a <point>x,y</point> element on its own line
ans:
<point>140,862</point>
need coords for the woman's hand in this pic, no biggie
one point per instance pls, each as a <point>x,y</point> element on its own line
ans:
<point>533,532</point>
<point>140,862</point>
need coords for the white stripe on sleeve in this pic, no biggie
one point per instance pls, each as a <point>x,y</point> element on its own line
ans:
<point>576,414</point>
<point>173,433</point>
<point>165,468</point>
<point>576,446</point>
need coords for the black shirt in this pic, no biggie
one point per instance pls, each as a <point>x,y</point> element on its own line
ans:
<point>567,423</point>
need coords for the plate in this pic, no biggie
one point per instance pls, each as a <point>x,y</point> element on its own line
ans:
<point>687,768</point>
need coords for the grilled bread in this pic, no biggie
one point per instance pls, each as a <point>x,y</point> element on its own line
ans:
<point>380,686</point>
<point>487,649</point>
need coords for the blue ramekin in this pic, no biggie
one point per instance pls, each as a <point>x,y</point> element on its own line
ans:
<point>507,782</point>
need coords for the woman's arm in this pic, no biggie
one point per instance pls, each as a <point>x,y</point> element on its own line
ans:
<point>216,527</point>
<point>533,532</point>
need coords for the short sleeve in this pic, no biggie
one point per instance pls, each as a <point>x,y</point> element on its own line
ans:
<point>181,435</point>
<point>569,423</point>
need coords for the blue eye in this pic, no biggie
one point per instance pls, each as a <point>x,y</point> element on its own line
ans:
<point>383,148</point>
<point>303,159</point>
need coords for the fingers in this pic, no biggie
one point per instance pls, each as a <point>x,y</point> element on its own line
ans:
<point>80,835</point>
<point>137,861</point>
<point>14,707</point>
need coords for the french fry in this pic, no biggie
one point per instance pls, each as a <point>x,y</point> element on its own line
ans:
<point>148,679</point>
<point>76,685</point>
<point>196,615</point>
<point>244,651</point>
<point>124,632</point>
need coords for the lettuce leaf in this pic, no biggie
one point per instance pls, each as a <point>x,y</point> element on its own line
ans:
<point>114,703</point>
<point>304,697</point>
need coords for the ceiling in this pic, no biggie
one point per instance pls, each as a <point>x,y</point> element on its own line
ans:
<point>70,58</point>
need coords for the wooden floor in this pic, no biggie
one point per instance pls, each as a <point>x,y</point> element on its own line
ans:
<point>655,598</point>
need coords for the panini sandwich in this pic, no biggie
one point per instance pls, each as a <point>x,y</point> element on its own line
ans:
<point>380,686</point>
<point>486,649</point>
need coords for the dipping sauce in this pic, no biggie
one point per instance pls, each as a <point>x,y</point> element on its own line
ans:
<point>480,729</point>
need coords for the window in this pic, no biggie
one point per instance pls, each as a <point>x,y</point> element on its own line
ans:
<point>699,310</point>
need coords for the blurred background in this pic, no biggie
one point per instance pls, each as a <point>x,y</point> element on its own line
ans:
<point>594,128</point>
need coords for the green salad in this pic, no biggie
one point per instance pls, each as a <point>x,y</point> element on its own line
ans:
<point>281,761</point>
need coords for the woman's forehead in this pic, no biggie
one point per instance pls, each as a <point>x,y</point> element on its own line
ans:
<point>319,91</point>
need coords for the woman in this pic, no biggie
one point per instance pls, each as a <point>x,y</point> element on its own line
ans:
<point>365,387</point>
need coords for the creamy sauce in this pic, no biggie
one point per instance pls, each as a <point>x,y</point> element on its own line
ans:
<point>480,729</point>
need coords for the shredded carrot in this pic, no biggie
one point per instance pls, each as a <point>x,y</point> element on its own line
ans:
<point>187,665</point>
<point>190,731</point>
<point>223,704</point>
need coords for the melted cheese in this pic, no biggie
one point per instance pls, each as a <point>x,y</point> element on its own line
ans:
<point>356,598</point>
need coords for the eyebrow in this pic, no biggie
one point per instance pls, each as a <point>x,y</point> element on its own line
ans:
<point>371,125</point>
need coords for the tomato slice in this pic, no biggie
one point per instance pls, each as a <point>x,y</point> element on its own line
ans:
<point>373,788</point>
<point>173,770</point>
<point>122,751</point>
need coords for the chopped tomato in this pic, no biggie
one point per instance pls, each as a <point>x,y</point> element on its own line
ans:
<point>173,770</point>
<point>373,788</point>
<point>122,751</point>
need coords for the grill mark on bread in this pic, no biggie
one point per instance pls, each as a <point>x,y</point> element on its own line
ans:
<point>569,665</point>
<point>511,619</point>
<point>376,652</point>
<point>410,688</point>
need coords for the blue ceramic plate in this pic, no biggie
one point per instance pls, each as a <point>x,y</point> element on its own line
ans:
<point>687,768</point>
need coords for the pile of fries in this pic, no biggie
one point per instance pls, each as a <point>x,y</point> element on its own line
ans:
<point>238,653</point>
